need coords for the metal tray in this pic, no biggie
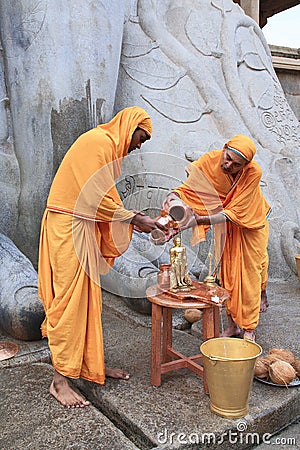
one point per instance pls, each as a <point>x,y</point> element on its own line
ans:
<point>8,349</point>
<point>294,383</point>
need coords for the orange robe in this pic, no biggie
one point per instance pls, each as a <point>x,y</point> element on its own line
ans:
<point>84,228</point>
<point>240,243</point>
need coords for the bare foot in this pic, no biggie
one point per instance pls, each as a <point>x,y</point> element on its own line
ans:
<point>249,335</point>
<point>263,301</point>
<point>62,391</point>
<point>116,373</point>
<point>232,330</point>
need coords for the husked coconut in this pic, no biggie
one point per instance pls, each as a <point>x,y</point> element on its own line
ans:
<point>281,372</point>
<point>284,355</point>
<point>192,315</point>
<point>271,358</point>
<point>261,368</point>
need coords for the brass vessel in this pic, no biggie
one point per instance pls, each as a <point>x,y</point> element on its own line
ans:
<point>210,280</point>
<point>297,257</point>
<point>229,369</point>
<point>163,276</point>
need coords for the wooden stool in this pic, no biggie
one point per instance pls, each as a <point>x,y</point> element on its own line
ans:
<point>164,358</point>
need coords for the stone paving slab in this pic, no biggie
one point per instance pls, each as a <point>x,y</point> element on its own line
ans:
<point>31,419</point>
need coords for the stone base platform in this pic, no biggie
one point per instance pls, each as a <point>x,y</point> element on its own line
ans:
<point>134,415</point>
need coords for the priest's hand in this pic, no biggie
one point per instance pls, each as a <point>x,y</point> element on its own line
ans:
<point>145,224</point>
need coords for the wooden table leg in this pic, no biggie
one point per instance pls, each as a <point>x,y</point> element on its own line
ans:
<point>164,358</point>
<point>156,345</point>
<point>208,328</point>
<point>217,312</point>
<point>167,334</point>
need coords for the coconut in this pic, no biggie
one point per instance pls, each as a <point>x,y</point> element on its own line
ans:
<point>192,315</point>
<point>261,368</point>
<point>281,372</point>
<point>284,355</point>
<point>271,358</point>
<point>296,366</point>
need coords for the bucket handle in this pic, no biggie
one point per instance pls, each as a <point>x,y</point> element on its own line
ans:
<point>224,358</point>
<point>219,358</point>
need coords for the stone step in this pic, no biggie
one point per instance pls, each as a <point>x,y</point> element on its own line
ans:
<point>134,415</point>
<point>31,419</point>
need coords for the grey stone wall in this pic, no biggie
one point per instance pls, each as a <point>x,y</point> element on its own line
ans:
<point>202,69</point>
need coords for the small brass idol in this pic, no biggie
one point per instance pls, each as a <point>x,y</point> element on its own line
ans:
<point>180,280</point>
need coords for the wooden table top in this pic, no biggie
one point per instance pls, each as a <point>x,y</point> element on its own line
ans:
<point>200,297</point>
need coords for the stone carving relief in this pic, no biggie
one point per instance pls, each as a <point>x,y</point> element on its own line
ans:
<point>209,83</point>
<point>139,266</point>
<point>203,71</point>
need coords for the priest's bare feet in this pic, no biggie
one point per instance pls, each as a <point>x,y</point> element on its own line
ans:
<point>249,335</point>
<point>64,394</point>
<point>116,373</point>
<point>263,301</point>
<point>233,330</point>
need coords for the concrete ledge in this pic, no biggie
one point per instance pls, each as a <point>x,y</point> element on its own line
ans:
<point>285,58</point>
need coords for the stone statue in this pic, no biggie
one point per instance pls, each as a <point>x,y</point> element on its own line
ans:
<point>21,311</point>
<point>243,95</point>
<point>157,55</point>
<point>179,277</point>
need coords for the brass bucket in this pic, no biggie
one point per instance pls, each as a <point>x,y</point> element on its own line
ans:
<point>229,370</point>
<point>297,257</point>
